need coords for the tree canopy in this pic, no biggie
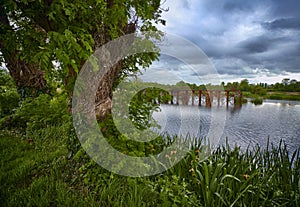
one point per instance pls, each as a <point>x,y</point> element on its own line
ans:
<point>49,40</point>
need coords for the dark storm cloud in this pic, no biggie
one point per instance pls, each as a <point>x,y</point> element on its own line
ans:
<point>284,8</point>
<point>283,23</point>
<point>242,38</point>
<point>255,46</point>
<point>261,44</point>
<point>235,6</point>
<point>230,6</point>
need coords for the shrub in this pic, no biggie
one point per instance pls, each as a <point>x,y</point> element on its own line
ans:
<point>9,98</point>
<point>43,111</point>
<point>259,90</point>
<point>257,101</point>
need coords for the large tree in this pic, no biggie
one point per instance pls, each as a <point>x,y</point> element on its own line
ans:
<point>46,40</point>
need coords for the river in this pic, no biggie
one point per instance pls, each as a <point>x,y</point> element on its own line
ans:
<point>248,125</point>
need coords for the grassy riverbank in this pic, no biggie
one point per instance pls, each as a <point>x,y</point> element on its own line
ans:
<point>290,96</point>
<point>40,171</point>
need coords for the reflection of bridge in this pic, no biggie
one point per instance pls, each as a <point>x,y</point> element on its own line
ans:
<point>207,97</point>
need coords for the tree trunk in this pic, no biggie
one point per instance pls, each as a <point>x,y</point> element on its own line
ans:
<point>29,78</point>
<point>103,101</point>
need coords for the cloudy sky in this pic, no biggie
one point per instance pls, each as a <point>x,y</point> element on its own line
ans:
<point>258,40</point>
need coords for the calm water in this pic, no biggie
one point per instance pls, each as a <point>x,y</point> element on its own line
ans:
<point>248,125</point>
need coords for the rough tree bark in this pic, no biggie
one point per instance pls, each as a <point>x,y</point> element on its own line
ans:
<point>103,101</point>
<point>25,74</point>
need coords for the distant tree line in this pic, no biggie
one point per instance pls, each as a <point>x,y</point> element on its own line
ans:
<point>286,85</point>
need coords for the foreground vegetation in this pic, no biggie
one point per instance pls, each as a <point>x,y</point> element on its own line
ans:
<point>42,171</point>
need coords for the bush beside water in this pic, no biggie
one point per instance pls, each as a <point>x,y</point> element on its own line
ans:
<point>257,101</point>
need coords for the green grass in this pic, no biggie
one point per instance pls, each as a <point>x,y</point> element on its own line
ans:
<point>43,173</point>
<point>284,96</point>
<point>32,174</point>
<point>274,96</point>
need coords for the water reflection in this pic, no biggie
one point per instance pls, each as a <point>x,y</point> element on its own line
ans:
<point>234,109</point>
<point>244,125</point>
<point>282,102</point>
